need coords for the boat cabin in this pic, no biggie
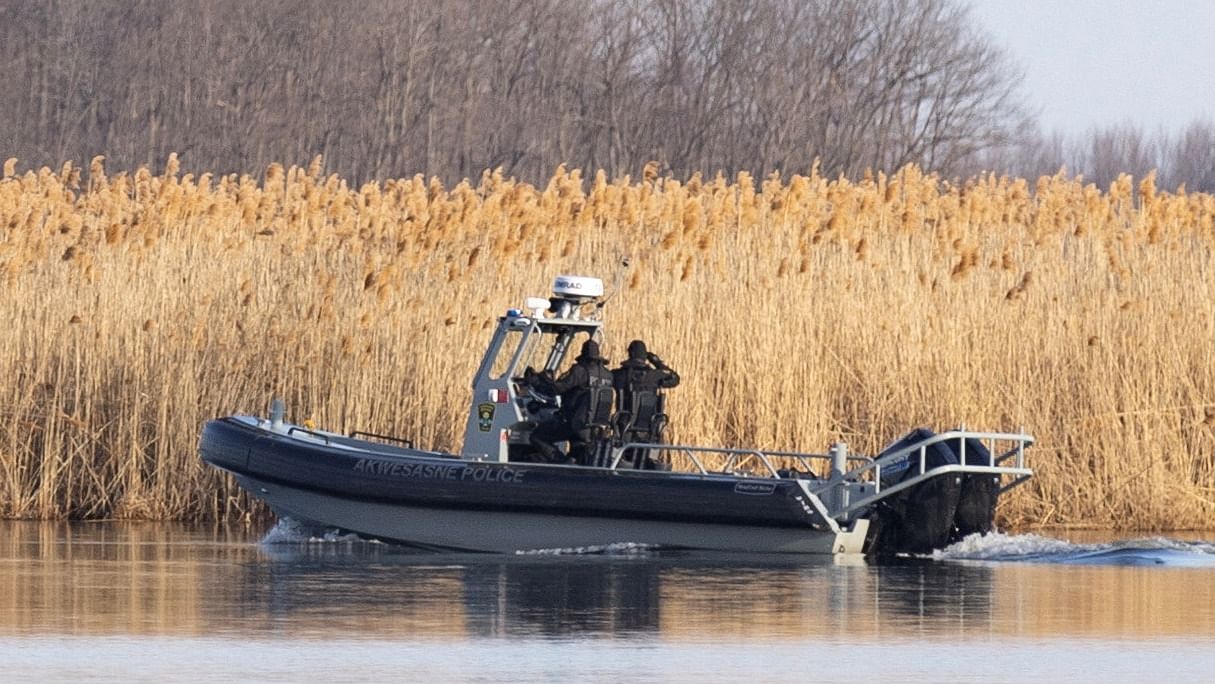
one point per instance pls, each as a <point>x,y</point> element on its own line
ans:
<point>545,335</point>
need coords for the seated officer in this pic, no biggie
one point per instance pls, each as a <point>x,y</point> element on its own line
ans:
<point>586,400</point>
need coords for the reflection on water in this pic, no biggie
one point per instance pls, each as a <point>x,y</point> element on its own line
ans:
<point>144,581</point>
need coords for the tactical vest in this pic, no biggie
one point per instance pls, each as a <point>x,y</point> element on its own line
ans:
<point>593,405</point>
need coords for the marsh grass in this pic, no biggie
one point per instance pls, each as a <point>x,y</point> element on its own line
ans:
<point>799,311</point>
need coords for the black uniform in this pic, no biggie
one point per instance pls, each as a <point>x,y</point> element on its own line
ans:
<point>586,400</point>
<point>638,382</point>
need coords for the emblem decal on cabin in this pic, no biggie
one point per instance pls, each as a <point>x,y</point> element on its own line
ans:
<point>485,416</point>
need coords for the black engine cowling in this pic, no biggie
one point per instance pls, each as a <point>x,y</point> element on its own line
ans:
<point>938,511</point>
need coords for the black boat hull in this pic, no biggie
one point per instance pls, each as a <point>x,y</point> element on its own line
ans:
<point>433,499</point>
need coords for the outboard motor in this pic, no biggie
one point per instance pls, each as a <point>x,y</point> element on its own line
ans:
<point>977,500</point>
<point>939,511</point>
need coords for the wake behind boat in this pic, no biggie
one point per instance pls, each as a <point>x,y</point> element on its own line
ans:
<point>921,493</point>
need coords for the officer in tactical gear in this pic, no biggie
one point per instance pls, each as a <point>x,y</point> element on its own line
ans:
<point>586,403</point>
<point>639,382</point>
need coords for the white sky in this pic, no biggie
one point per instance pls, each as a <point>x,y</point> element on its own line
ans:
<point>1089,63</point>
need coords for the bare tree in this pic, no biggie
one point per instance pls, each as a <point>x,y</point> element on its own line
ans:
<point>1190,158</point>
<point>1118,149</point>
<point>452,87</point>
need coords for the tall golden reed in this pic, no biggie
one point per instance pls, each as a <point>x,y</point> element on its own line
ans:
<point>799,311</point>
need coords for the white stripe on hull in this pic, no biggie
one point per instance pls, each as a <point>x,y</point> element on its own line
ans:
<point>507,532</point>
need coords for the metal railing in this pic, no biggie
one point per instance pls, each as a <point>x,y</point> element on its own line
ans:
<point>735,458</point>
<point>1019,441</point>
<point>353,441</point>
<point>407,443</point>
<point>872,471</point>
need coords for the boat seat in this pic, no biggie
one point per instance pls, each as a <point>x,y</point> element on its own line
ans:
<point>597,452</point>
<point>592,422</point>
<point>627,430</point>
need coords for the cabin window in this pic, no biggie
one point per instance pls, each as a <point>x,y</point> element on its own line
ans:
<point>534,353</point>
<point>505,354</point>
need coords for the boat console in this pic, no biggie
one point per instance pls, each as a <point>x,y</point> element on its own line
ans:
<point>540,335</point>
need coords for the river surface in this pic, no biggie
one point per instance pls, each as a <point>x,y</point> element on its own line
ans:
<point>168,603</point>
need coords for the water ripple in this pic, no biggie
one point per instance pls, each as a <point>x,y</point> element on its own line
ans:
<point>1032,548</point>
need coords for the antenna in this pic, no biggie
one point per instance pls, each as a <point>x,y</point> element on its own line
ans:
<point>624,266</point>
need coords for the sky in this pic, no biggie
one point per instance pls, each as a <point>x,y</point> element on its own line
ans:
<point>1090,64</point>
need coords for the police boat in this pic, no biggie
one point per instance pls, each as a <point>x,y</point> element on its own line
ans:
<point>628,486</point>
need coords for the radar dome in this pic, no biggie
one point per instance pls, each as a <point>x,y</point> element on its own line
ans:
<point>578,287</point>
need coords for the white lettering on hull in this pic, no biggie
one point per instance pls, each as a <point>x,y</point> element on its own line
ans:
<point>433,471</point>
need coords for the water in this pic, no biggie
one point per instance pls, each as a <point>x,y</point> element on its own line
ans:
<point>157,603</point>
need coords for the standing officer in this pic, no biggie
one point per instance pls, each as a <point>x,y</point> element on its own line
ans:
<point>638,383</point>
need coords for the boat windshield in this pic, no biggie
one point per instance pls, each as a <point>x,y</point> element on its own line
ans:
<point>552,348</point>
<point>506,352</point>
<point>535,352</point>
<point>537,349</point>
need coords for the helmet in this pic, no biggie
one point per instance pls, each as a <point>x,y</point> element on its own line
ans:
<point>637,349</point>
<point>590,350</point>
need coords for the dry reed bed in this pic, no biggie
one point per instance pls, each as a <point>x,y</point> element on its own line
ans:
<point>798,311</point>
